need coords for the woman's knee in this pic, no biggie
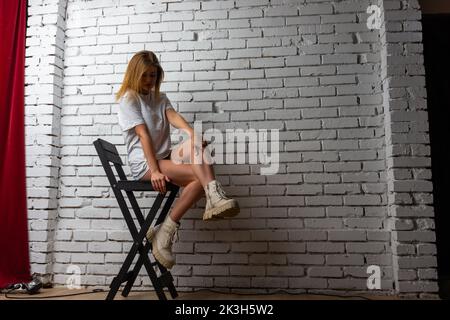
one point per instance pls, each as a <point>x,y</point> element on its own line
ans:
<point>181,175</point>
<point>197,185</point>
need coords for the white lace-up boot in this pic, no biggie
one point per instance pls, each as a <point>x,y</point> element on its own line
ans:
<point>162,238</point>
<point>217,204</point>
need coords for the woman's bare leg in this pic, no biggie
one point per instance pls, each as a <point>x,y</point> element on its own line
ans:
<point>193,177</point>
<point>183,176</point>
<point>203,172</point>
<point>189,196</point>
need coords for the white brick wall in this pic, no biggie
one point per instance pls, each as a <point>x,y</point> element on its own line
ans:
<point>409,193</point>
<point>309,68</point>
<point>43,103</point>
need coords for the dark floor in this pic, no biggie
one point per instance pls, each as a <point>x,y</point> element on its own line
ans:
<point>88,294</point>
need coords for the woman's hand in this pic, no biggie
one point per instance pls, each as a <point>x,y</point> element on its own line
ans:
<point>159,181</point>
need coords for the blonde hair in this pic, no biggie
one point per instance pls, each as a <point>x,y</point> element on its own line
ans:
<point>137,66</point>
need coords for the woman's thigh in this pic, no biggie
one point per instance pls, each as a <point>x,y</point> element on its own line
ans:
<point>179,174</point>
<point>184,153</point>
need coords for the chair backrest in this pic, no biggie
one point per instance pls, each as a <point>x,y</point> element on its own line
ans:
<point>107,153</point>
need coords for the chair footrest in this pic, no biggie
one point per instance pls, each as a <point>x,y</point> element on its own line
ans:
<point>127,277</point>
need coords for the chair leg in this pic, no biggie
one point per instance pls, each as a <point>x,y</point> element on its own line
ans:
<point>115,285</point>
<point>135,273</point>
<point>144,260</point>
<point>143,250</point>
<point>157,284</point>
<point>140,261</point>
<point>173,292</point>
<point>143,255</point>
<point>162,216</point>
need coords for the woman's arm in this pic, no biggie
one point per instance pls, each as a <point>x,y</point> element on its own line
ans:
<point>157,178</point>
<point>147,145</point>
<point>178,121</point>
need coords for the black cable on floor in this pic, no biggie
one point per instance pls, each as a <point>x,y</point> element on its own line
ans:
<point>48,297</point>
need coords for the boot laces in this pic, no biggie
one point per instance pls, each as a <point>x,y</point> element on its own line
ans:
<point>173,238</point>
<point>219,190</point>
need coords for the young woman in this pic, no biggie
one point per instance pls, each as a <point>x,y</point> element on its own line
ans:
<point>145,115</point>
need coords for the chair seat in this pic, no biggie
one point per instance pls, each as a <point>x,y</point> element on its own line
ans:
<point>130,185</point>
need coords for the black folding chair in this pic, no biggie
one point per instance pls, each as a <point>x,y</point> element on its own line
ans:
<point>108,154</point>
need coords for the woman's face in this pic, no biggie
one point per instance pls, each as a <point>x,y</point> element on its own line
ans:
<point>148,79</point>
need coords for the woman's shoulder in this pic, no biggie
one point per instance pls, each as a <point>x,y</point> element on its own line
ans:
<point>161,99</point>
<point>129,97</point>
<point>162,94</point>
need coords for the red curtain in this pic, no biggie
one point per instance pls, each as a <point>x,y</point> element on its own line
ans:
<point>14,255</point>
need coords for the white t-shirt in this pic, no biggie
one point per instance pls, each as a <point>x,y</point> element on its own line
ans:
<point>144,109</point>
